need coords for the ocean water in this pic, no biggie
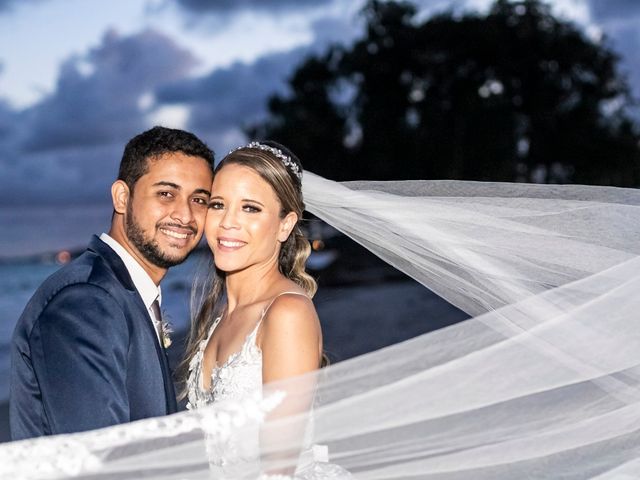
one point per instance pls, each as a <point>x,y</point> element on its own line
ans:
<point>50,228</point>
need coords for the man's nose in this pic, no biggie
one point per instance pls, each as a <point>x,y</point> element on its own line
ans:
<point>183,212</point>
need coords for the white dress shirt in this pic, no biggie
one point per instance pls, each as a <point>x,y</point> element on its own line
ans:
<point>147,289</point>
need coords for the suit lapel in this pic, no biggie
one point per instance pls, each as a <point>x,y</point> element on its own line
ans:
<point>169,390</point>
<point>121,272</point>
<point>115,262</point>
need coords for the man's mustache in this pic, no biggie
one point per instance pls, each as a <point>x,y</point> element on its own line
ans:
<point>177,225</point>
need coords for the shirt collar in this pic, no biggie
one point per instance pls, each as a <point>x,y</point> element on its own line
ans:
<point>148,290</point>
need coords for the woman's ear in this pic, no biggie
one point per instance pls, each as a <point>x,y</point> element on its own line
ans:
<point>286,226</point>
<point>120,196</point>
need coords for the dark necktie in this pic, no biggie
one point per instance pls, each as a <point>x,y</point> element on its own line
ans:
<point>157,321</point>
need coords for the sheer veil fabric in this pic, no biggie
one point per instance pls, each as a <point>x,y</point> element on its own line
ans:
<point>542,382</point>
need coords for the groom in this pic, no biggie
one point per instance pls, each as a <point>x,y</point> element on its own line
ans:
<point>88,350</point>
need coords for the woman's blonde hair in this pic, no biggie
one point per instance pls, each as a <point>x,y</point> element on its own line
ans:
<point>286,183</point>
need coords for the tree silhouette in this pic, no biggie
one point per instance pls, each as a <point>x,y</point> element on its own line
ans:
<point>515,94</point>
<point>308,121</point>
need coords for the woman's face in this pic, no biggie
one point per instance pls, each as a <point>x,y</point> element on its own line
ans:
<point>243,225</point>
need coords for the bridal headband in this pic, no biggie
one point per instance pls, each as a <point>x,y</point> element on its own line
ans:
<point>279,154</point>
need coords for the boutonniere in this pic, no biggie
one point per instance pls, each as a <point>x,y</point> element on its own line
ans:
<point>166,330</point>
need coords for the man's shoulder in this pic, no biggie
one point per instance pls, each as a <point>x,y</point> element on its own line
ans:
<point>80,277</point>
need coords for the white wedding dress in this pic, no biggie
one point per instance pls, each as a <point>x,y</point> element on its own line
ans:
<point>237,379</point>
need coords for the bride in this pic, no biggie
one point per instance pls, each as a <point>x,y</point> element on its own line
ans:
<point>542,382</point>
<point>257,324</point>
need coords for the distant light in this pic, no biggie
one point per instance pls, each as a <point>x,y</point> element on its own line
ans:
<point>416,95</point>
<point>63,257</point>
<point>317,244</point>
<point>523,147</point>
<point>491,87</point>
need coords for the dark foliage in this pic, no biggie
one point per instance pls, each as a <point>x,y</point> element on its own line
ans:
<point>516,94</point>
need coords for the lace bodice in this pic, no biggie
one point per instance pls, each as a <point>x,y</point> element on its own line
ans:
<point>239,377</point>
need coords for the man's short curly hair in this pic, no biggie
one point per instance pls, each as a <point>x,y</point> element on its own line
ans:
<point>154,143</point>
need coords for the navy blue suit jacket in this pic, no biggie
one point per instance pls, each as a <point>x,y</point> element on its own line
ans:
<point>85,354</point>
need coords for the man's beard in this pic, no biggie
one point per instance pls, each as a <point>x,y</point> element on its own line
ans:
<point>149,248</point>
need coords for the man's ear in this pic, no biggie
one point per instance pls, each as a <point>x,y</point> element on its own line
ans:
<point>120,195</point>
<point>286,225</point>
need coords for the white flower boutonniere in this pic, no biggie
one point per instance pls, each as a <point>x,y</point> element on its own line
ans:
<point>165,328</point>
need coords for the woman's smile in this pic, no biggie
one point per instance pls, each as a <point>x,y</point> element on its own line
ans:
<point>230,244</point>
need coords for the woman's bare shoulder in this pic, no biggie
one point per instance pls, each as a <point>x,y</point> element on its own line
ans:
<point>290,306</point>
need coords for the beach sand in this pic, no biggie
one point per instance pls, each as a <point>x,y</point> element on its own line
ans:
<point>356,319</point>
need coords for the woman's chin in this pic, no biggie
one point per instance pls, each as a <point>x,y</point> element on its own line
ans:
<point>228,266</point>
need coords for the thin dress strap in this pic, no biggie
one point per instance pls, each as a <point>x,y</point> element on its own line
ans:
<point>266,309</point>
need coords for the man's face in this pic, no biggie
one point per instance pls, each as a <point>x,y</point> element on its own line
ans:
<point>167,207</point>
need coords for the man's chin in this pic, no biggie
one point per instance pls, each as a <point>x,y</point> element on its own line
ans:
<point>176,256</point>
<point>164,260</point>
<point>166,263</point>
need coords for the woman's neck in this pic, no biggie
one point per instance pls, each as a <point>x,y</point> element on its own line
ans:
<point>246,286</point>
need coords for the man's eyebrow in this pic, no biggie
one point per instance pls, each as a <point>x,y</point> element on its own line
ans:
<point>197,191</point>
<point>167,184</point>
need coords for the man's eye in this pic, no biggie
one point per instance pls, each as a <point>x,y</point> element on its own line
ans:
<point>165,194</point>
<point>200,201</point>
<point>216,205</point>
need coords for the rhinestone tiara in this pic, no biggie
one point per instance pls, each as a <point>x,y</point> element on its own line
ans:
<point>285,159</point>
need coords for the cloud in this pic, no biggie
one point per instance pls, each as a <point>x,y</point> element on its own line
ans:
<point>97,97</point>
<point>75,176</point>
<point>626,42</point>
<point>619,20</point>
<point>331,30</point>
<point>227,99</point>
<point>67,147</point>
<point>607,10</point>
<point>7,5</point>
<point>228,6</point>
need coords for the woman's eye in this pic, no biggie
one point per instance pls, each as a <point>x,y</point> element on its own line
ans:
<point>251,209</point>
<point>216,205</point>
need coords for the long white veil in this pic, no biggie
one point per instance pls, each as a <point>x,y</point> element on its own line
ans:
<point>542,382</point>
